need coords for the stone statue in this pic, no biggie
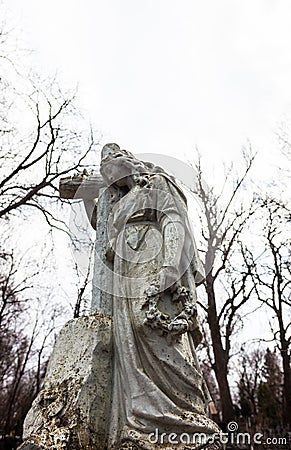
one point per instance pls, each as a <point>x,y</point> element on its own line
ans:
<point>157,382</point>
<point>155,395</point>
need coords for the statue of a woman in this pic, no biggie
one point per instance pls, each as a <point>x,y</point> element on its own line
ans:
<point>160,399</point>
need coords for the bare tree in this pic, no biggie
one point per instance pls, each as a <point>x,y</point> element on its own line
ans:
<point>269,392</point>
<point>250,376</point>
<point>227,284</point>
<point>271,277</point>
<point>35,166</point>
<point>43,137</point>
<point>23,354</point>
<point>43,134</point>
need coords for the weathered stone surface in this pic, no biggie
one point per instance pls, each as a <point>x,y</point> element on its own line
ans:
<point>29,446</point>
<point>102,277</point>
<point>72,409</point>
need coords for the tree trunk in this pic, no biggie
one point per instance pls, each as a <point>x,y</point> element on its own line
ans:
<point>285,362</point>
<point>220,354</point>
<point>286,384</point>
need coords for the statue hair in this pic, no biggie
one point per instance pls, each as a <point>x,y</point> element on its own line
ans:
<point>140,171</point>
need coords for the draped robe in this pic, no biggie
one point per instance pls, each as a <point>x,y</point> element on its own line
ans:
<point>157,384</point>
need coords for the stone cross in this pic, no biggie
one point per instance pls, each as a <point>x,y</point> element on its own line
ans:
<point>89,188</point>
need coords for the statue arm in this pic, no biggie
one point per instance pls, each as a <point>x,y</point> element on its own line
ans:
<point>171,218</point>
<point>173,241</point>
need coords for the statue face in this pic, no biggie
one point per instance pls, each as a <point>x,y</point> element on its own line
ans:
<point>116,172</point>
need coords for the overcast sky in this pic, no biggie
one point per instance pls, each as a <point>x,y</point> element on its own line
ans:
<point>167,75</point>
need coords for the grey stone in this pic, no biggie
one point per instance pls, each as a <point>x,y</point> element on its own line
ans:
<point>102,276</point>
<point>72,409</point>
<point>29,446</point>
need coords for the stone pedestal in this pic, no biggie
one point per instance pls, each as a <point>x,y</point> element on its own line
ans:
<point>72,409</point>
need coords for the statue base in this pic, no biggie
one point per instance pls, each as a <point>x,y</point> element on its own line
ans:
<point>72,409</point>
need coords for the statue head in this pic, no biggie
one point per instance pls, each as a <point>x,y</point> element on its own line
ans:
<point>118,165</point>
<point>121,170</point>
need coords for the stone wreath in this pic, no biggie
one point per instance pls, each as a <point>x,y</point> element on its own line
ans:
<point>169,326</point>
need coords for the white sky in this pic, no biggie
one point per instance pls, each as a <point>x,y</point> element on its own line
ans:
<point>167,75</point>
